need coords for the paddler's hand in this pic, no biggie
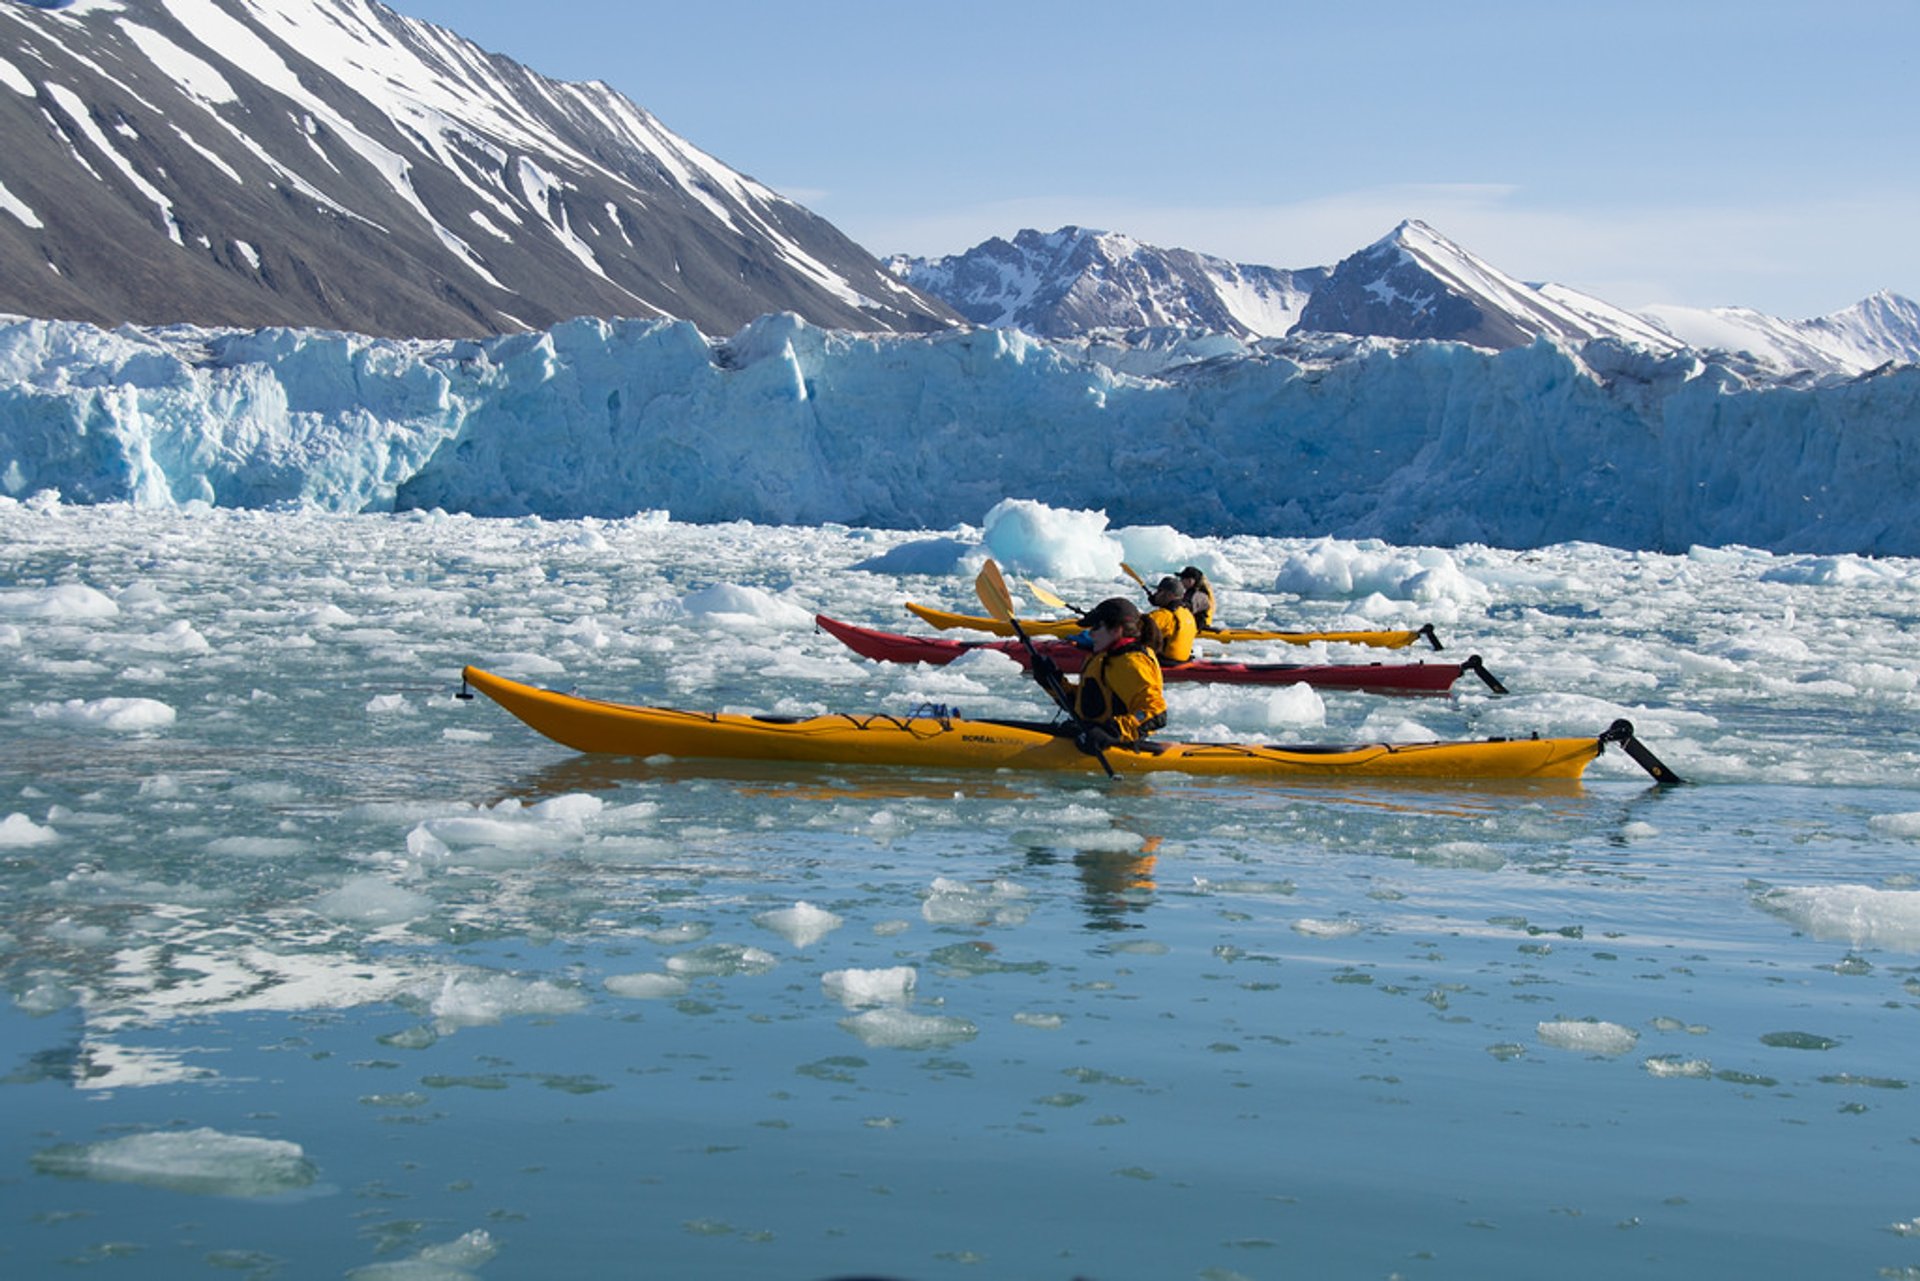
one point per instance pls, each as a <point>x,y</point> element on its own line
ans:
<point>1046,671</point>
<point>1094,739</point>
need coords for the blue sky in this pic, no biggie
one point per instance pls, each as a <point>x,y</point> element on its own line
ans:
<point>1705,153</point>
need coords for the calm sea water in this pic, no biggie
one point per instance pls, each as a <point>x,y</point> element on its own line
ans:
<point>318,971</point>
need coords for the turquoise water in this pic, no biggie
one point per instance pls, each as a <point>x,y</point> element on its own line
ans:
<point>318,971</point>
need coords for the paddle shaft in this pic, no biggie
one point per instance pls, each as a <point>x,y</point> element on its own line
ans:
<point>991,587</point>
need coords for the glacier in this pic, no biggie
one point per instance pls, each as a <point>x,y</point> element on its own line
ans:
<point>1415,442</point>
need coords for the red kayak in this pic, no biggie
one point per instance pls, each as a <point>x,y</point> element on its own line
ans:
<point>1379,678</point>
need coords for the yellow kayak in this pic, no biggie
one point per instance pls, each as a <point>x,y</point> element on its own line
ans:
<point>945,742</point>
<point>946,620</point>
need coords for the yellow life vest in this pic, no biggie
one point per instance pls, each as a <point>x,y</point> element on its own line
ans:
<point>1120,690</point>
<point>1178,631</point>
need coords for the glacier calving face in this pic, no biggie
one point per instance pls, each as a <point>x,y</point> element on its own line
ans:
<point>1416,442</point>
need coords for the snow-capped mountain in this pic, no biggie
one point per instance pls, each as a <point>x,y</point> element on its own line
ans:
<point>1074,281</point>
<point>333,163</point>
<point>1872,332</point>
<point>1415,283</point>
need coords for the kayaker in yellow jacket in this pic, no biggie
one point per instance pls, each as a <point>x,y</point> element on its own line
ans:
<point>1199,595</point>
<point>1173,621</point>
<point>1118,697</point>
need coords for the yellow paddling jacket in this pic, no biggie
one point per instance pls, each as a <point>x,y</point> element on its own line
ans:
<point>1178,630</point>
<point>1120,690</point>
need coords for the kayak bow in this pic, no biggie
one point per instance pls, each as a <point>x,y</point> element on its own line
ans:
<point>947,742</point>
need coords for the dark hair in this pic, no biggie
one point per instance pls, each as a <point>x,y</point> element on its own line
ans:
<point>1116,612</point>
<point>1194,574</point>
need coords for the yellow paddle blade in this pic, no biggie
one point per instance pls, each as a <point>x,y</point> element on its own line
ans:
<point>1132,573</point>
<point>1046,597</point>
<point>991,587</point>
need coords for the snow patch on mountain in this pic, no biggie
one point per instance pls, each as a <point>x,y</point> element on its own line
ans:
<point>1077,281</point>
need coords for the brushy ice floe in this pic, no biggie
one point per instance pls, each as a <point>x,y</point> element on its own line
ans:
<point>646,987</point>
<point>17,830</point>
<point>446,1261</point>
<point>1905,825</point>
<point>1859,915</point>
<point>202,1161</point>
<point>476,1000</point>
<point>951,902</point>
<point>1595,1037</point>
<point>123,714</point>
<point>855,988</point>
<point>802,925</point>
<point>898,1029</point>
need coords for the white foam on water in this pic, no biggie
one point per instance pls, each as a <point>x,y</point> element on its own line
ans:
<point>802,925</point>
<point>855,988</point>
<point>1606,1039</point>
<point>206,1162</point>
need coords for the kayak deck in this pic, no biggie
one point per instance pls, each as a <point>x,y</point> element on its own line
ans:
<point>943,742</point>
<point>1383,678</point>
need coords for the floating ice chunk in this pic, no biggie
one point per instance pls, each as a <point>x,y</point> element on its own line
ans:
<point>129,714</point>
<point>1314,928</point>
<point>729,604</point>
<point>933,556</point>
<point>855,988</point>
<point>1038,539</point>
<point>372,900</point>
<point>17,830</point>
<point>201,1161</point>
<point>45,995</point>
<point>682,932</point>
<point>722,960</point>
<point>1673,1065</point>
<point>1856,914</point>
<point>468,1000</point>
<point>264,847</point>
<point>1588,1037</point>
<point>68,601</point>
<point>1907,825</point>
<point>1295,707</point>
<point>178,637</point>
<point>384,704</point>
<point>904,1030</point>
<point>957,903</point>
<point>646,987</point>
<point>1045,1022</point>
<point>802,925</point>
<point>1329,569</point>
<point>449,1261</point>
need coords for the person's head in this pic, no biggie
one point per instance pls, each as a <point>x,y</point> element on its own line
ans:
<point>1167,592</point>
<point>1193,576</point>
<point>1113,620</point>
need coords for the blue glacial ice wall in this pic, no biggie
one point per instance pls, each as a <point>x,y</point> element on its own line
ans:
<point>784,423</point>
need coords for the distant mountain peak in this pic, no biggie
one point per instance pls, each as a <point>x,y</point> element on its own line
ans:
<point>1074,280</point>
